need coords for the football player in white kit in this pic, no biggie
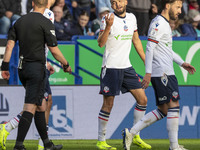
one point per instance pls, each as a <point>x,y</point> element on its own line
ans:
<point>117,33</point>
<point>159,69</point>
<point>13,123</point>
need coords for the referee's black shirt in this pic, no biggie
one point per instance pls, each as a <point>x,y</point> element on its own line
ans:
<point>33,31</point>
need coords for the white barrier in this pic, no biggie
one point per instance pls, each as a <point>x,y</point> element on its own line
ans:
<point>75,109</point>
<point>74,112</point>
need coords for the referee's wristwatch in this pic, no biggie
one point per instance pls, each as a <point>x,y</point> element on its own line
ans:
<point>66,66</point>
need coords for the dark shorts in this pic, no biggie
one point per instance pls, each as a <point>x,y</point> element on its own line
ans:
<point>47,86</point>
<point>112,81</point>
<point>32,76</point>
<point>165,88</point>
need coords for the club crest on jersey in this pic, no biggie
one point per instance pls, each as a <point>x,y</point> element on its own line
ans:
<point>125,28</point>
<point>106,89</point>
<point>164,80</point>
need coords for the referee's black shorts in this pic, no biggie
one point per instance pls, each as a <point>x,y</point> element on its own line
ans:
<point>32,75</point>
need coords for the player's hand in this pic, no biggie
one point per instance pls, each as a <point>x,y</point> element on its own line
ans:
<point>51,69</point>
<point>189,68</point>
<point>109,18</point>
<point>5,75</point>
<point>146,80</point>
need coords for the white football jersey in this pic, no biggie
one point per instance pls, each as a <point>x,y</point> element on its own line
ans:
<point>118,45</point>
<point>49,15</point>
<point>159,53</point>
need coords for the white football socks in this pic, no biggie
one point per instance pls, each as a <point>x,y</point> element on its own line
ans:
<point>172,126</point>
<point>138,113</point>
<point>147,120</point>
<point>13,123</point>
<point>103,121</point>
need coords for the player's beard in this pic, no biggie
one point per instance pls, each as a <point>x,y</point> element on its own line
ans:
<point>172,16</point>
<point>121,12</point>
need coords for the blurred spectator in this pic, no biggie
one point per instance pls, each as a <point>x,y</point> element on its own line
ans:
<point>193,4</point>
<point>79,6</point>
<point>66,11</point>
<point>3,19</point>
<point>184,10</point>
<point>140,8</point>
<point>155,8</point>
<point>96,23</point>
<point>81,27</point>
<point>190,28</point>
<point>26,6</point>
<point>11,13</point>
<point>174,24</point>
<point>102,3</point>
<point>92,11</point>
<point>62,26</point>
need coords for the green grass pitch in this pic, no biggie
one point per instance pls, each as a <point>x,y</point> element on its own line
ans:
<point>191,144</point>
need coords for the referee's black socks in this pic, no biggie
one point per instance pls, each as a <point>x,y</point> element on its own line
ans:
<point>40,123</point>
<point>24,125</point>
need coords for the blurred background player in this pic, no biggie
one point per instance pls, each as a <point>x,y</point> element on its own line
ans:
<point>118,32</point>
<point>159,70</point>
<point>6,128</point>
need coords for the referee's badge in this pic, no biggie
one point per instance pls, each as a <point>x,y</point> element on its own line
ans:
<point>164,80</point>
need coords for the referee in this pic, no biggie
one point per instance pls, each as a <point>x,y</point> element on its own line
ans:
<point>33,31</point>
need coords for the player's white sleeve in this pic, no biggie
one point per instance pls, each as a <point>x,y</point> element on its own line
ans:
<point>149,56</point>
<point>134,22</point>
<point>177,59</point>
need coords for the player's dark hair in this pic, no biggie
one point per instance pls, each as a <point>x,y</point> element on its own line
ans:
<point>164,2</point>
<point>40,3</point>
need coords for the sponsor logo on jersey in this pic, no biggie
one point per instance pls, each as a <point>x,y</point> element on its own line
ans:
<point>157,24</point>
<point>116,37</point>
<point>49,13</point>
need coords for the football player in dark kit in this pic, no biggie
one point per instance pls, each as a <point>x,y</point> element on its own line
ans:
<point>33,31</point>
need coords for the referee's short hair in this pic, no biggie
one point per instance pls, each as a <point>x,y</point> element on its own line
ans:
<point>164,2</point>
<point>40,3</point>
